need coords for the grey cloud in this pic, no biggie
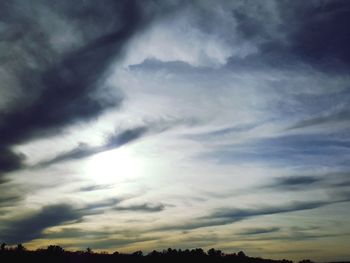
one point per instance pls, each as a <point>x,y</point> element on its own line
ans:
<point>257,231</point>
<point>233,130</point>
<point>226,216</point>
<point>75,233</point>
<point>84,151</point>
<point>31,226</point>
<point>8,200</point>
<point>294,236</point>
<point>194,224</point>
<point>307,182</point>
<point>11,194</point>
<point>239,214</point>
<point>91,188</point>
<point>340,116</point>
<point>296,182</point>
<point>115,204</point>
<point>146,207</point>
<point>103,204</point>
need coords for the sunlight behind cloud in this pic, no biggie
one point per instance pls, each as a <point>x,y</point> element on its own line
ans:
<point>113,166</point>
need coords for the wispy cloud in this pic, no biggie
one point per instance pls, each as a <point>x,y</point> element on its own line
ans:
<point>226,216</point>
<point>146,207</point>
<point>257,231</point>
<point>329,119</point>
<point>310,182</point>
<point>84,151</point>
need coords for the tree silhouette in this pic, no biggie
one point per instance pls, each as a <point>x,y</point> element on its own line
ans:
<point>3,246</point>
<point>241,254</point>
<point>56,254</point>
<point>214,253</point>
<point>138,253</point>
<point>53,249</point>
<point>20,248</point>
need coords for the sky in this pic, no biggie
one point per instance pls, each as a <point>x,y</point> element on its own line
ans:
<point>141,125</point>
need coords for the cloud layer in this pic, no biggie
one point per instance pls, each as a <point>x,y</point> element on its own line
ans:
<point>145,124</point>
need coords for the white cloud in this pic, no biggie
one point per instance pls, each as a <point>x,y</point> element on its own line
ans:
<point>181,37</point>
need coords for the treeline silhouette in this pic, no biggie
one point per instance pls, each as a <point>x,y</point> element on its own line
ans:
<point>54,253</point>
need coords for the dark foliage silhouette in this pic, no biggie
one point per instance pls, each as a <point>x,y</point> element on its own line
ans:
<point>55,253</point>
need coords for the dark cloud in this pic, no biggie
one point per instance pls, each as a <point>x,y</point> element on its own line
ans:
<point>66,88</point>
<point>115,204</point>
<point>146,207</point>
<point>226,216</point>
<point>303,182</point>
<point>8,200</point>
<point>295,182</point>
<point>329,46</point>
<point>289,32</point>
<point>31,226</point>
<point>239,214</point>
<point>11,194</point>
<point>9,160</point>
<point>84,151</point>
<point>91,188</point>
<point>126,137</point>
<point>257,231</point>
<point>57,83</point>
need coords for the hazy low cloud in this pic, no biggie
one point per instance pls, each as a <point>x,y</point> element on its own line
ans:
<point>114,243</point>
<point>32,225</point>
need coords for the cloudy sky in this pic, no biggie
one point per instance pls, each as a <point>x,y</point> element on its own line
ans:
<point>141,125</point>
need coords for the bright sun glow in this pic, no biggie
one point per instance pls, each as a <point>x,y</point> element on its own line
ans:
<point>113,166</point>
